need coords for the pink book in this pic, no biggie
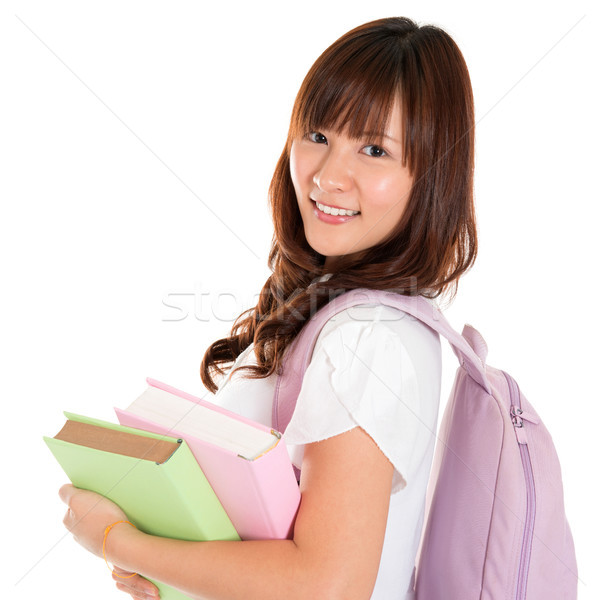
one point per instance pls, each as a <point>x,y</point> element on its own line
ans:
<point>246,463</point>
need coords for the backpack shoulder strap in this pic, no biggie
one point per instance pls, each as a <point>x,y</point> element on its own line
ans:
<point>297,358</point>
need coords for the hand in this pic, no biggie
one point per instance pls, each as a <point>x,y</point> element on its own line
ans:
<point>88,515</point>
<point>87,518</point>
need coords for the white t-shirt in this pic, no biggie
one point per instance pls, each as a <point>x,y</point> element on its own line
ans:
<point>375,367</point>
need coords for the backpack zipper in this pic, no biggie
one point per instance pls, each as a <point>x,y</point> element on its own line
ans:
<point>517,419</point>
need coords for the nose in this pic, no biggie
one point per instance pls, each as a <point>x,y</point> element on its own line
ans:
<point>333,173</point>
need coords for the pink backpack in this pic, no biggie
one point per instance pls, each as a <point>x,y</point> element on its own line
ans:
<point>495,526</point>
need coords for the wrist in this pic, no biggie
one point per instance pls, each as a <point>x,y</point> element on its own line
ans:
<point>118,538</point>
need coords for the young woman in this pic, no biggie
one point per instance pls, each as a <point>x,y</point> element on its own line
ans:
<point>374,189</point>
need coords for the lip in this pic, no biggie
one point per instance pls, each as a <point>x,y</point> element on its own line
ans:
<point>331,219</point>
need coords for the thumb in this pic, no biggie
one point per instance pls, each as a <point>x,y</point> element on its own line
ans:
<point>66,492</point>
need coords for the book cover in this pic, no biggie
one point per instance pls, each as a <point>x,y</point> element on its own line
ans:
<point>171,498</point>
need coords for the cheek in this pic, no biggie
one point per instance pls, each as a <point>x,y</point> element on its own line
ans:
<point>390,192</point>
<point>298,168</point>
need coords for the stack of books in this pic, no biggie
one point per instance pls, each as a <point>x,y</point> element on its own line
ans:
<point>184,468</point>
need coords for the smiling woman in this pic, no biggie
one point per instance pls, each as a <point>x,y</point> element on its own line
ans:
<point>382,127</point>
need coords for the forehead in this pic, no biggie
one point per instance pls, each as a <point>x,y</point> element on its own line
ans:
<point>390,129</point>
<point>354,115</point>
<point>379,124</point>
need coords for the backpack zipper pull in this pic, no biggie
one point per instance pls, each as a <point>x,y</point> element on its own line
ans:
<point>518,415</point>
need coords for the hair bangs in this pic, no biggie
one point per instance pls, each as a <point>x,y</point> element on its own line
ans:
<point>352,92</point>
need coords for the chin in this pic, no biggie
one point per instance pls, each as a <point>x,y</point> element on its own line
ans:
<point>324,251</point>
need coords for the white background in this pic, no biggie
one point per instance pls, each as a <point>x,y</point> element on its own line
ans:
<point>137,143</point>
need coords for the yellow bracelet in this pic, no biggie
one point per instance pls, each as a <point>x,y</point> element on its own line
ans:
<point>104,549</point>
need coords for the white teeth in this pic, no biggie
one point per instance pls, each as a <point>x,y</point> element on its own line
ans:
<point>336,211</point>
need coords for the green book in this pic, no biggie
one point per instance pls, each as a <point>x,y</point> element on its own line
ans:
<point>153,478</point>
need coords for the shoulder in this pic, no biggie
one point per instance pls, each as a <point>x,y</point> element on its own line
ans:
<point>378,368</point>
<point>368,327</point>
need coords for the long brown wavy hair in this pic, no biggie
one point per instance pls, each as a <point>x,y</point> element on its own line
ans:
<point>352,87</point>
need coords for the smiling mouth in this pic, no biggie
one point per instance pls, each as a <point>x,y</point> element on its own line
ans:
<point>330,210</point>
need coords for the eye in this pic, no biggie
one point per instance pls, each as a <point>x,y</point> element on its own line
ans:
<point>375,151</point>
<point>316,137</point>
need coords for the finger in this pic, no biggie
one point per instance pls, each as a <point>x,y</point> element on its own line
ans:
<point>66,492</point>
<point>134,585</point>
<point>133,593</point>
<point>68,519</point>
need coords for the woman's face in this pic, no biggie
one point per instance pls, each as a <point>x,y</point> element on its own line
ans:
<point>331,171</point>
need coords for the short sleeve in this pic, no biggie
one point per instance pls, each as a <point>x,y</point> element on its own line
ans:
<point>361,374</point>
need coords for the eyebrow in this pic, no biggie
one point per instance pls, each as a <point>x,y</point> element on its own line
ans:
<point>375,134</point>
